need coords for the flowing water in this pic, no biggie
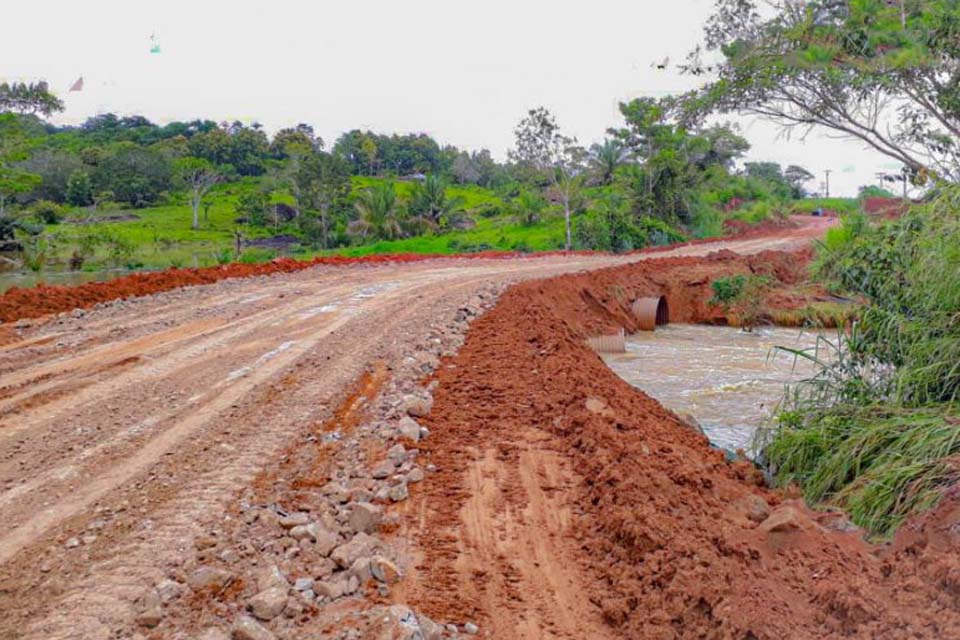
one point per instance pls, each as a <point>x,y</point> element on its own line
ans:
<point>729,380</point>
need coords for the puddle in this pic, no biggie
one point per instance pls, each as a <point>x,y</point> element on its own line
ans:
<point>731,381</point>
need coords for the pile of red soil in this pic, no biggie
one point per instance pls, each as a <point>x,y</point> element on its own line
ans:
<point>672,540</point>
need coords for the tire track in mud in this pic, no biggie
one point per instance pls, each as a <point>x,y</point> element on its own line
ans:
<point>233,476</point>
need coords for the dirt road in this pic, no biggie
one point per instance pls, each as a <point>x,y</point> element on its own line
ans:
<point>124,430</point>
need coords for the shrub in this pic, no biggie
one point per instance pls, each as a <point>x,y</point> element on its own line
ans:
<point>742,295</point>
<point>47,212</point>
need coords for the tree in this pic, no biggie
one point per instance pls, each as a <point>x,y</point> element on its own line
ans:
<point>253,206</point>
<point>80,189</point>
<point>885,73</point>
<point>13,180</point>
<point>430,203</point>
<point>542,148</point>
<point>369,150</point>
<point>609,227</point>
<point>323,185</point>
<point>54,168</point>
<point>464,170</point>
<point>379,213</point>
<point>33,98</point>
<point>529,206</point>
<point>298,140</point>
<point>796,176</point>
<point>135,175</point>
<point>605,158</point>
<point>671,160</point>
<point>198,176</point>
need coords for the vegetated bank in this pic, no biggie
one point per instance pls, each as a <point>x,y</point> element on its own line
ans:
<point>877,431</point>
<point>669,539</point>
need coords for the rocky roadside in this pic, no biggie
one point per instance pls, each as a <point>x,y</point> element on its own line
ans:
<point>307,549</point>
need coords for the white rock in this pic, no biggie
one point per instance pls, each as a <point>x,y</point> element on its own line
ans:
<point>268,604</point>
<point>246,628</point>
<point>409,429</point>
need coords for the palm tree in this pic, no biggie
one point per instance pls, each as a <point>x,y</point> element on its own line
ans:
<point>429,202</point>
<point>379,214</point>
<point>528,206</point>
<point>605,158</point>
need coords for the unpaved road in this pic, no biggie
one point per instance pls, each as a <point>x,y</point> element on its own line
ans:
<point>124,430</point>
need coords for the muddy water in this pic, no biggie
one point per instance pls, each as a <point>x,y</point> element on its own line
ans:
<point>24,280</point>
<point>728,379</point>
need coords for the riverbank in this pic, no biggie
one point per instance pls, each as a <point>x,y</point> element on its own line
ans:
<point>568,503</point>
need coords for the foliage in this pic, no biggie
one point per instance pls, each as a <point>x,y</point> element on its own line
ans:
<point>674,163</point>
<point>606,158</point>
<point>743,296</point>
<point>324,187</point>
<point>253,206</point>
<point>79,189</point>
<point>197,176</point>
<point>369,153</point>
<point>379,214</point>
<point>136,175</point>
<point>544,151</point>
<point>29,98</point>
<point>47,212</point>
<point>429,202</point>
<point>528,207</point>
<point>878,71</point>
<point>874,430</point>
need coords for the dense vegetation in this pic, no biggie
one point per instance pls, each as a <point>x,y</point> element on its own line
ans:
<point>877,431</point>
<point>125,192</point>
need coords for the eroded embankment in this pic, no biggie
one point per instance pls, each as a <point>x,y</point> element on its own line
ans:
<point>569,504</point>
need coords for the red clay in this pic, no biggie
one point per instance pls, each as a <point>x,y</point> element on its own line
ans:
<point>671,541</point>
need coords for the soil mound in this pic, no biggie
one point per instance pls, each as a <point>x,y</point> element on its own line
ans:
<point>670,539</point>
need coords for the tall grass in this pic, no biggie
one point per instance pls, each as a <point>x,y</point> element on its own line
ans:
<point>875,431</point>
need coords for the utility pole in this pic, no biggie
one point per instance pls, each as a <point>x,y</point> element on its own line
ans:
<point>828,172</point>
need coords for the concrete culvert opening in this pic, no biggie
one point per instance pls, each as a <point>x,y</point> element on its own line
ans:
<point>651,312</point>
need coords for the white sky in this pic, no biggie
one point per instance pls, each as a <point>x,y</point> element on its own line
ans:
<point>463,72</point>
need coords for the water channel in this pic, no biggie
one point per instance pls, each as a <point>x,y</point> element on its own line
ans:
<point>729,380</point>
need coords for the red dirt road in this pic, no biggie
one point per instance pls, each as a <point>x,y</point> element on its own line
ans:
<point>125,431</point>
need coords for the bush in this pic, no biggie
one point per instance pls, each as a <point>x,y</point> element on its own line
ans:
<point>742,295</point>
<point>47,212</point>
<point>874,431</point>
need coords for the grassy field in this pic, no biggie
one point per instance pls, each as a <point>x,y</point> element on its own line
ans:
<point>161,237</point>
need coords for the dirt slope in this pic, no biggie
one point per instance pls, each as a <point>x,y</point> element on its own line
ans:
<point>571,505</point>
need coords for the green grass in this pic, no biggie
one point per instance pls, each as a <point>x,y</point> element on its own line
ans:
<point>840,205</point>
<point>877,430</point>
<point>878,463</point>
<point>494,234</point>
<point>161,236</point>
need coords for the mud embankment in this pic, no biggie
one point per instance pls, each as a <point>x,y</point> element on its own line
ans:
<point>657,536</point>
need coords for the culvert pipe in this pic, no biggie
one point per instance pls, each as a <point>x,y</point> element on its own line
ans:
<point>651,312</point>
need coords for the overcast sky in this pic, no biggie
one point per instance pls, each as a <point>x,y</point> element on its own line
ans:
<point>463,72</point>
